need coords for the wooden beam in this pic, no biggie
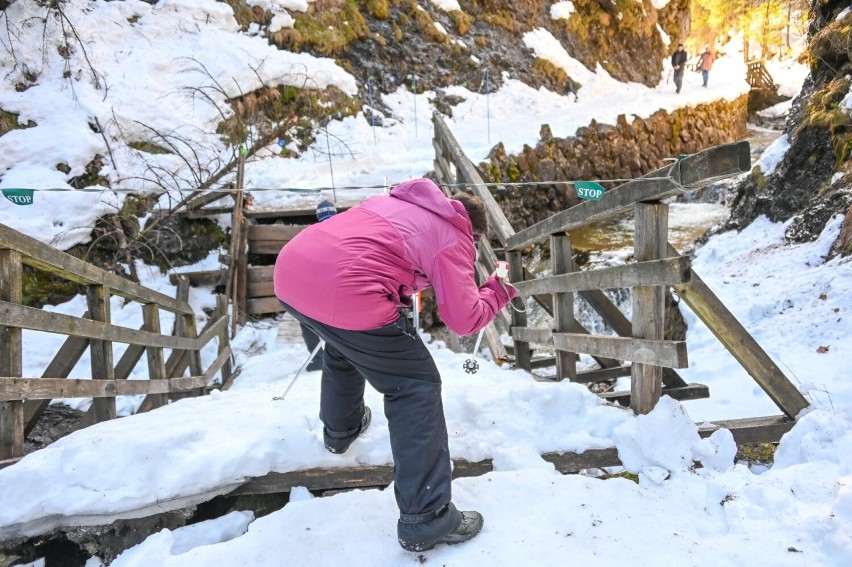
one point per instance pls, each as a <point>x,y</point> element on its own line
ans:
<point>671,354</point>
<point>498,223</point>
<point>257,290</point>
<point>730,332</point>
<point>767,429</point>
<point>691,172</point>
<point>46,258</point>
<point>341,478</point>
<point>602,374</point>
<point>648,273</point>
<point>38,320</point>
<point>266,247</point>
<point>11,357</point>
<point>12,388</point>
<point>224,341</point>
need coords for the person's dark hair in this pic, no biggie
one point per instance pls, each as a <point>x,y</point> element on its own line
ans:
<point>475,212</point>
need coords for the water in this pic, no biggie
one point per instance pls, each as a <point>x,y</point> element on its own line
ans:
<point>687,223</point>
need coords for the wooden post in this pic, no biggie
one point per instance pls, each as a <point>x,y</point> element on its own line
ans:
<point>156,362</point>
<point>11,358</point>
<point>652,220</point>
<point>563,304</point>
<point>186,328</point>
<point>523,356</point>
<point>224,341</point>
<point>101,350</point>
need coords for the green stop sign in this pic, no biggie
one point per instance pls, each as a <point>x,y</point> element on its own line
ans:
<point>589,190</point>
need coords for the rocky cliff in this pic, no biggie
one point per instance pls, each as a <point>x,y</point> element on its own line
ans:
<point>812,183</point>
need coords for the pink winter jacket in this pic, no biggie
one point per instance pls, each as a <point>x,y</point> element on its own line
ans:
<point>353,270</point>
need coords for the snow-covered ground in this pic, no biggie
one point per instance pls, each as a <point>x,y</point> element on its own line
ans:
<point>797,305</point>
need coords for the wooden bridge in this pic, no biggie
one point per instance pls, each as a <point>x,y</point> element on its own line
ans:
<point>637,349</point>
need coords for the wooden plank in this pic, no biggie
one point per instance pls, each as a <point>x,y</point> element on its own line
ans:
<point>260,273</point>
<point>202,278</point>
<point>48,388</point>
<point>100,350</point>
<point>37,320</point>
<point>671,354</point>
<point>683,393</point>
<point>217,365</point>
<point>12,388</point>
<point>563,304</point>
<point>649,307</point>
<point>533,335</point>
<point>257,290</point>
<point>283,232</point>
<point>267,247</point>
<point>9,462</point>
<point>498,223</point>
<point>669,271</point>
<point>263,305</point>
<point>691,172</point>
<point>602,374</point>
<point>49,259</point>
<point>766,429</point>
<point>730,332</point>
<point>340,478</point>
<point>11,357</point>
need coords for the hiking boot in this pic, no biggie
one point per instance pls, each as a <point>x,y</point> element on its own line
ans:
<point>470,525</point>
<point>338,443</point>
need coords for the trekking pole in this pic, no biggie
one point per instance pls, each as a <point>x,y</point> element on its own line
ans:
<point>299,371</point>
<point>470,365</point>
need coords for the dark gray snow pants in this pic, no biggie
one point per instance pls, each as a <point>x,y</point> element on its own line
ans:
<point>397,364</point>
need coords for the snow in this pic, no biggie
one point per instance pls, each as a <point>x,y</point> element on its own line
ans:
<point>794,302</point>
<point>561,10</point>
<point>446,5</point>
<point>773,155</point>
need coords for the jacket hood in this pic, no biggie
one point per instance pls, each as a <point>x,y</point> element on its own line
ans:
<point>425,194</point>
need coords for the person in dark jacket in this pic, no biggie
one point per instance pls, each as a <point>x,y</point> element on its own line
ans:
<point>678,65</point>
<point>346,279</point>
<point>325,210</point>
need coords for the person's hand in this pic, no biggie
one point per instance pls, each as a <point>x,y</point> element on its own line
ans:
<point>502,271</point>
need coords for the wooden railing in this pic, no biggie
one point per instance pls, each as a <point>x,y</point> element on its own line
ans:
<point>24,399</point>
<point>758,77</point>
<point>657,266</point>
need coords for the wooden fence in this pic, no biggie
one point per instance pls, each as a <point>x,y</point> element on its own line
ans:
<point>23,400</point>
<point>657,266</point>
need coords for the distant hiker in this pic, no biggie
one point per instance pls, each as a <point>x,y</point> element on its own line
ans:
<point>325,210</point>
<point>678,64</point>
<point>705,63</point>
<point>346,279</point>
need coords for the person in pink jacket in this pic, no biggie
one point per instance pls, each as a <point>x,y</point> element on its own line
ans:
<point>346,279</point>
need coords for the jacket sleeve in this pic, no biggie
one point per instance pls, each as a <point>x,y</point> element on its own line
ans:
<point>463,307</point>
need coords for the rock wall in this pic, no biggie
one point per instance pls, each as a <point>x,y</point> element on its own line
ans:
<point>625,150</point>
